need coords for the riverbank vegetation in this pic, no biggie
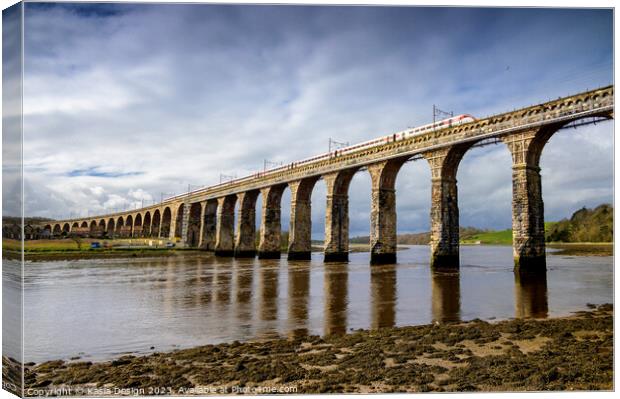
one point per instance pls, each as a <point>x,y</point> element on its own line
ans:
<point>569,353</point>
<point>592,229</point>
<point>80,248</point>
<point>584,226</point>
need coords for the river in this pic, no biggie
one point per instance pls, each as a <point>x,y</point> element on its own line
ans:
<point>98,309</point>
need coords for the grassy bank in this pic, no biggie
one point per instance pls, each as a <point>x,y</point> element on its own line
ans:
<point>570,353</point>
<point>69,249</point>
<point>41,250</point>
<point>582,248</point>
<point>501,237</point>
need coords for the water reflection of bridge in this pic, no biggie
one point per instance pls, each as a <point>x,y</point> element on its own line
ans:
<point>270,298</point>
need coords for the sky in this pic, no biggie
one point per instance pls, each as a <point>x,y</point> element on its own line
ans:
<point>125,102</point>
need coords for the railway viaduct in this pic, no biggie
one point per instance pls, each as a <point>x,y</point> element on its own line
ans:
<point>206,218</point>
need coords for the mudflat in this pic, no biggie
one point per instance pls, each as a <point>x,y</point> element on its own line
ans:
<point>567,353</point>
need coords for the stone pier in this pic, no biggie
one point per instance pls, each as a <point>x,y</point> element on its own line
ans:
<point>383,211</point>
<point>337,215</point>
<point>245,241</point>
<point>184,230</point>
<point>269,246</point>
<point>444,206</point>
<point>528,214</point>
<point>173,224</point>
<point>225,226</point>
<point>208,225</point>
<point>300,231</point>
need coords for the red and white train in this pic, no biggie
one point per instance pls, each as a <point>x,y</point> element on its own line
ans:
<point>453,121</point>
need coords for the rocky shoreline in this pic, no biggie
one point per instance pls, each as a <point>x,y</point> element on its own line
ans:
<point>568,353</point>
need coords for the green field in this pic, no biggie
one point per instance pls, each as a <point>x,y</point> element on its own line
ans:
<point>502,237</point>
<point>69,245</point>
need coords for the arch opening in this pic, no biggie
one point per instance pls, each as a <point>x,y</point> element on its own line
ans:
<point>193,225</point>
<point>110,230</point>
<point>128,227</point>
<point>137,226</point>
<point>166,220</point>
<point>156,224</point>
<point>146,225</point>
<point>178,226</point>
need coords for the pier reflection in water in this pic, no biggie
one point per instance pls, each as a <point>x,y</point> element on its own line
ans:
<point>446,292</point>
<point>336,293</point>
<point>244,280</point>
<point>130,305</point>
<point>298,303</point>
<point>383,296</point>
<point>531,295</point>
<point>268,274</point>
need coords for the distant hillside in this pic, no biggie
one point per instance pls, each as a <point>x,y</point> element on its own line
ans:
<point>421,238</point>
<point>28,220</point>
<point>586,225</point>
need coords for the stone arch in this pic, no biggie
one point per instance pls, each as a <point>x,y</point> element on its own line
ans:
<point>178,225</point>
<point>84,225</point>
<point>111,231</point>
<point>156,223</point>
<point>193,225</point>
<point>383,210</point>
<point>92,228</point>
<point>66,228</point>
<point>166,221</point>
<point>146,224</point>
<point>528,224</point>
<point>92,231</point>
<point>444,240</point>
<point>300,230</point>
<point>57,231</point>
<point>269,246</point>
<point>137,225</point>
<point>120,224</point>
<point>129,226</point>
<point>209,225</point>
<point>337,215</point>
<point>245,235</point>
<point>101,228</point>
<point>47,231</point>
<point>225,227</point>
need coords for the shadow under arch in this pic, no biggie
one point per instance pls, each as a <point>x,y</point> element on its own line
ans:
<point>156,223</point>
<point>166,221</point>
<point>120,224</point>
<point>128,226</point>
<point>110,229</point>
<point>193,224</point>
<point>146,225</point>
